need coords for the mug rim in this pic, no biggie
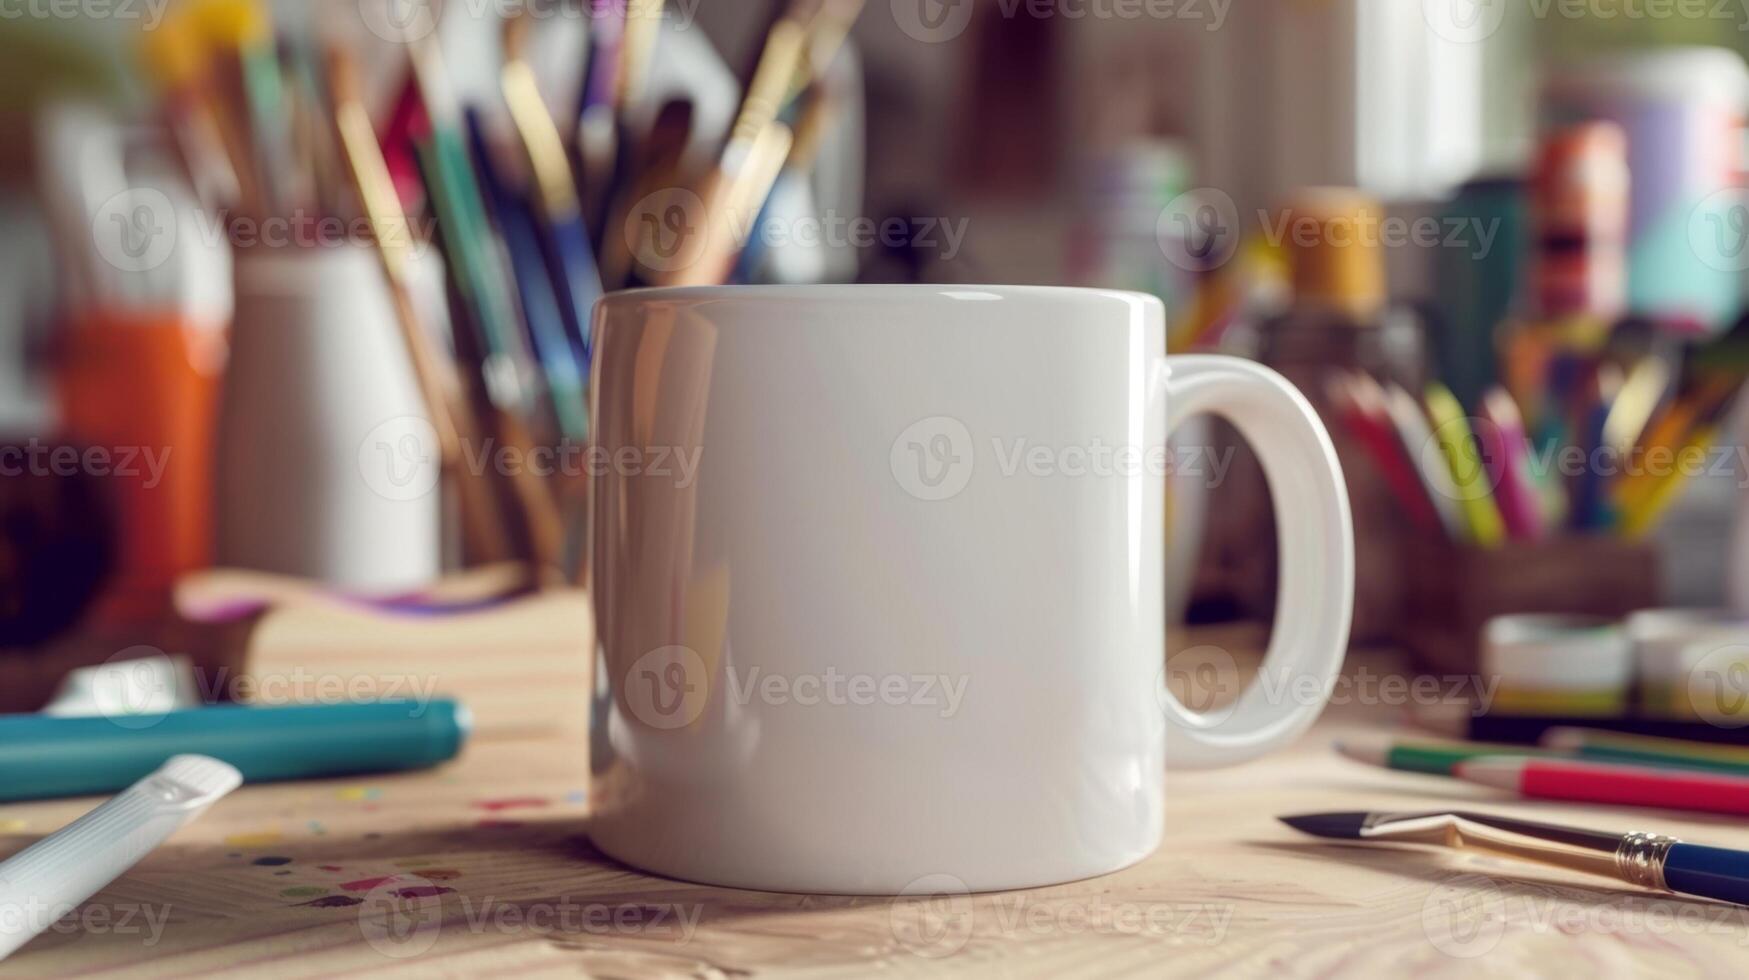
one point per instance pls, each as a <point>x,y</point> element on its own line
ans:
<point>869,291</point>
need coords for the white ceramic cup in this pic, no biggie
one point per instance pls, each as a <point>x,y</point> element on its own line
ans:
<point>898,623</point>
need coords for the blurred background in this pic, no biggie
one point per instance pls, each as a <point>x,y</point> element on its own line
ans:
<point>273,270</point>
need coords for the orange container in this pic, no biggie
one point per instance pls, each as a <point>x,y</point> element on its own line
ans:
<point>144,387</point>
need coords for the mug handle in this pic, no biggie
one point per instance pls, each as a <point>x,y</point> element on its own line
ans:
<point>1316,533</point>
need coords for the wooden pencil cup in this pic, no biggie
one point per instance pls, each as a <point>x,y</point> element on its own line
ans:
<point>1454,590</point>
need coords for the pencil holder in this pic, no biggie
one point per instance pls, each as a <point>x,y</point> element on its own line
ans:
<point>1453,590</point>
<point>327,460</point>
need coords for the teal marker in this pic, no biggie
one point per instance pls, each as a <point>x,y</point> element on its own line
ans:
<point>43,757</point>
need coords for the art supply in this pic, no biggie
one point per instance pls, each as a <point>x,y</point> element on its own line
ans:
<point>441,392</point>
<point>1427,757</point>
<point>1418,442</point>
<point>58,873</point>
<point>240,35</point>
<point>1504,449</point>
<point>1610,783</point>
<point>548,338</point>
<point>565,238</point>
<point>43,757</point>
<point>1556,664</point>
<point>1668,645</point>
<point>1652,861</point>
<point>1360,404</point>
<point>1646,750</point>
<point>1579,208</point>
<point>216,157</point>
<point>1682,110</point>
<point>1451,428</point>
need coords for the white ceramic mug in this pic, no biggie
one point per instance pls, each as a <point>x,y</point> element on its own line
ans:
<point>874,611</point>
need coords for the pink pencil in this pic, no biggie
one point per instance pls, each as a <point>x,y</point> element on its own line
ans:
<point>1506,451</point>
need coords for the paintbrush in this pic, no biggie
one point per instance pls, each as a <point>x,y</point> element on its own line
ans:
<point>217,159</point>
<point>1648,860</point>
<point>482,526</point>
<point>658,166</point>
<point>243,31</point>
<point>564,238</point>
<point>732,198</point>
<point>541,314</point>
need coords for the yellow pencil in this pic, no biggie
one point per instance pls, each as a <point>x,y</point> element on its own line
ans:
<point>1475,490</point>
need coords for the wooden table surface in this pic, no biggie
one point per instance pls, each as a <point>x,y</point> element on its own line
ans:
<point>484,866</point>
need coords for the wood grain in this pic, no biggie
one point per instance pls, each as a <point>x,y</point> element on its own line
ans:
<point>504,832</point>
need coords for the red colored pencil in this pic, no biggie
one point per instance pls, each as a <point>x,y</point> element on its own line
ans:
<point>1591,782</point>
<point>1362,409</point>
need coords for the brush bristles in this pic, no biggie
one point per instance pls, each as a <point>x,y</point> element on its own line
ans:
<point>1341,826</point>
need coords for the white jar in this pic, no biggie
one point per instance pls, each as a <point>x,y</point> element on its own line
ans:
<point>327,461</point>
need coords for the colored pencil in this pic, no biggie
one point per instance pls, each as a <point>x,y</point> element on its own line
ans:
<point>1432,758</point>
<point>1642,749</point>
<point>1360,403</point>
<point>1612,783</point>
<point>1476,497</point>
<point>1419,446</point>
<point>1506,451</point>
